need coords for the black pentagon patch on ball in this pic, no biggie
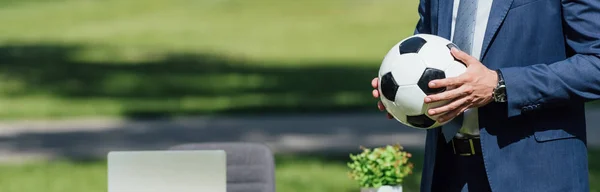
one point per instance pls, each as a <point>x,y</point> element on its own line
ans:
<point>389,86</point>
<point>412,45</point>
<point>428,75</point>
<point>421,121</point>
<point>450,48</point>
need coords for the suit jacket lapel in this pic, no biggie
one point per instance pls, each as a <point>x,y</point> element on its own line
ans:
<point>444,18</point>
<point>498,13</point>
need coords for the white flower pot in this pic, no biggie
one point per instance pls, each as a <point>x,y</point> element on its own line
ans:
<point>383,189</point>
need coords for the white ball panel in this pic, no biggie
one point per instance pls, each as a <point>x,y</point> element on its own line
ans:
<point>411,99</point>
<point>408,69</point>
<point>435,52</point>
<point>436,55</point>
<point>455,69</point>
<point>396,111</point>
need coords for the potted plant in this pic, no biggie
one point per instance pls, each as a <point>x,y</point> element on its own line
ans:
<point>381,169</point>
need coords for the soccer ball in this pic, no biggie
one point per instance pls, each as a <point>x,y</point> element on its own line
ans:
<point>405,73</point>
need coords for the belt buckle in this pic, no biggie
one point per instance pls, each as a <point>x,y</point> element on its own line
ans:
<point>470,145</point>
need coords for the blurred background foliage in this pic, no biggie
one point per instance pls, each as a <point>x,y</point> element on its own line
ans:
<point>164,58</point>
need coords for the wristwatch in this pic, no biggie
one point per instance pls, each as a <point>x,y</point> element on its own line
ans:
<point>499,93</point>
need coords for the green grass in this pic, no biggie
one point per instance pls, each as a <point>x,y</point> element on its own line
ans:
<point>293,174</point>
<point>71,58</point>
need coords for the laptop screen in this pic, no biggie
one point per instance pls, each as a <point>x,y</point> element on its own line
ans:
<point>167,171</point>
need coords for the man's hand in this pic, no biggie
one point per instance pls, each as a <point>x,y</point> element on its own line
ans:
<point>472,89</point>
<point>375,84</point>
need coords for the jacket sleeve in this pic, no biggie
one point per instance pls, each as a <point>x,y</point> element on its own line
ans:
<point>575,79</point>
<point>424,23</point>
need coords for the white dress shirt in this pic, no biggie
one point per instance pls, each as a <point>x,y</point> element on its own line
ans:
<point>470,121</point>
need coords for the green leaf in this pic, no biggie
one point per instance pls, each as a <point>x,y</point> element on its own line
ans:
<point>386,165</point>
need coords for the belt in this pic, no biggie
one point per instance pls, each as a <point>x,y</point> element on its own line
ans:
<point>466,146</point>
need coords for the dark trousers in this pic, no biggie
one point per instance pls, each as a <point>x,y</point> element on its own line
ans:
<point>458,173</point>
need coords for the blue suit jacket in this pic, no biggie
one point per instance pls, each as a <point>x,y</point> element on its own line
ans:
<point>549,54</point>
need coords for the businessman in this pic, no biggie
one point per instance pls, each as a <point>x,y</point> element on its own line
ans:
<point>516,118</point>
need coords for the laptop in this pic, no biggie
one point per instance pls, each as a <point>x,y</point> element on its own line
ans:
<point>167,171</point>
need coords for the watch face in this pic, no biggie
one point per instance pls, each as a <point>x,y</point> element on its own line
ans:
<point>500,94</point>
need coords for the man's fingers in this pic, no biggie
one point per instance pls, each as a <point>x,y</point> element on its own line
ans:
<point>447,95</point>
<point>456,104</point>
<point>462,56</point>
<point>375,93</point>
<point>375,83</point>
<point>452,114</point>
<point>380,106</point>
<point>446,82</point>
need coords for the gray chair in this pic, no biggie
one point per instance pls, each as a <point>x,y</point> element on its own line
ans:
<point>250,166</point>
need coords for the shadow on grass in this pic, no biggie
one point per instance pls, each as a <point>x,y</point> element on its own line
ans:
<point>163,86</point>
<point>186,84</point>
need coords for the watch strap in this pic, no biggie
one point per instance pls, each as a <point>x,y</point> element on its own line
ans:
<point>499,93</point>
